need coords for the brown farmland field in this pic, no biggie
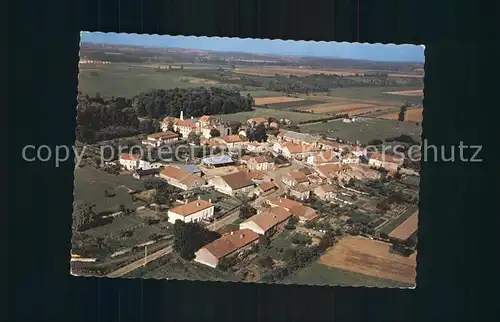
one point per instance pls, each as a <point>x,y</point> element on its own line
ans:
<point>370,257</point>
<point>412,115</point>
<point>417,92</point>
<point>406,229</point>
<point>275,100</point>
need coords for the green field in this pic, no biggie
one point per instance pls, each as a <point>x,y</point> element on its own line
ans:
<point>318,274</point>
<point>364,130</point>
<point>127,80</point>
<point>375,94</point>
<point>265,112</point>
<point>91,183</point>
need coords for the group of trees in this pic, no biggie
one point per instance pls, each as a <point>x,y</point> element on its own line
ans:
<point>99,119</point>
<point>167,195</point>
<point>192,101</point>
<point>257,133</point>
<point>247,211</point>
<point>85,217</point>
<point>189,237</point>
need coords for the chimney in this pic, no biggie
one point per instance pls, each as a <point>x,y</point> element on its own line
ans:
<point>198,203</point>
<point>241,236</point>
<point>199,197</point>
<point>232,233</point>
<point>210,200</point>
<point>274,216</point>
<point>182,115</point>
<point>185,201</point>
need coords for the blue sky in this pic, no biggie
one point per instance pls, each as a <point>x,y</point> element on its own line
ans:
<point>375,52</point>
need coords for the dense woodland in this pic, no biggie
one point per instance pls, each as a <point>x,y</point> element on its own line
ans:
<point>193,101</point>
<point>102,119</point>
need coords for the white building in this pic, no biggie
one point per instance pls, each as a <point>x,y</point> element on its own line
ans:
<point>193,211</point>
<point>146,165</point>
<point>129,162</point>
<point>385,161</point>
<point>161,138</point>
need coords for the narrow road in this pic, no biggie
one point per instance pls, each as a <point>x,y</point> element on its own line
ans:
<point>141,262</point>
<point>167,250</point>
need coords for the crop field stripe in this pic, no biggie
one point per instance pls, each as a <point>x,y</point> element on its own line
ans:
<point>296,104</point>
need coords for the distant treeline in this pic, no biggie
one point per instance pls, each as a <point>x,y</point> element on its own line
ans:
<point>101,119</point>
<point>308,84</point>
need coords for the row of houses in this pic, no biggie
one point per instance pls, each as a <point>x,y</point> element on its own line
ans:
<point>266,222</point>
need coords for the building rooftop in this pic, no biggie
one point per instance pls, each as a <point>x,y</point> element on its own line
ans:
<point>237,180</point>
<point>266,186</point>
<point>163,135</point>
<point>219,159</point>
<point>270,218</point>
<point>231,242</point>
<point>191,207</point>
<point>304,137</point>
<point>130,157</point>
<point>190,168</point>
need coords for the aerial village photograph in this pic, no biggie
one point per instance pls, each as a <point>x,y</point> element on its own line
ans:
<point>247,160</point>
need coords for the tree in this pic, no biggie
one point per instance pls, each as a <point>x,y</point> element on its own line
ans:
<point>327,240</point>
<point>190,237</point>
<point>149,126</point>
<point>310,224</point>
<point>266,262</point>
<point>194,138</point>
<point>83,216</point>
<point>257,133</point>
<point>166,195</point>
<point>384,205</point>
<point>264,241</point>
<point>247,211</point>
<point>214,133</point>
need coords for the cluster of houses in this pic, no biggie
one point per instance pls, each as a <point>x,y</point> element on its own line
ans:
<point>202,126</point>
<point>270,219</point>
<point>326,163</point>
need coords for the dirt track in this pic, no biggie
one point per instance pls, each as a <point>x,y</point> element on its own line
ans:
<point>370,257</point>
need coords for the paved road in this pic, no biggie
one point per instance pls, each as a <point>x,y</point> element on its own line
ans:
<point>167,250</point>
<point>139,263</point>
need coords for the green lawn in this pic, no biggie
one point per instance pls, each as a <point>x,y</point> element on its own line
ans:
<point>117,80</point>
<point>376,93</point>
<point>318,274</point>
<point>90,184</point>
